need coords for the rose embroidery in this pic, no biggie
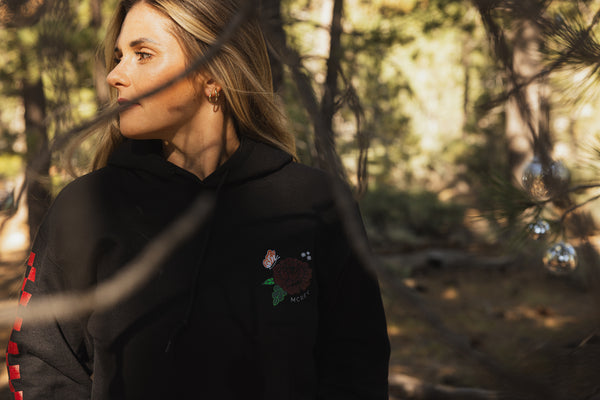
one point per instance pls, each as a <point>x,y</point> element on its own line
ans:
<point>290,276</point>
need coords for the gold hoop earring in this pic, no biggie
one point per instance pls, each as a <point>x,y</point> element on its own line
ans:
<point>213,98</point>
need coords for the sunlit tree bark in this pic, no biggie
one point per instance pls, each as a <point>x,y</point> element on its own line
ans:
<point>526,64</point>
<point>38,164</point>
<point>328,107</point>
<point>19,13</point>
<point>271,20</point>
<point>99,69</point>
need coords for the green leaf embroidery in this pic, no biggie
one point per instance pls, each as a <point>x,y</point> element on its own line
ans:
<point>269,281</point>
<point>278,295</point>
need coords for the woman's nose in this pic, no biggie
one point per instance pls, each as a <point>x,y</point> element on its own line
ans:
<point>117,77</point>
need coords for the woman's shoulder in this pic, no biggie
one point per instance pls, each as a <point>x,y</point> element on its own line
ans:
<point>85,189</point>
<point>306,177</point>
<point>306,187</point>
<point>78,221</point>
<point>83,201</point>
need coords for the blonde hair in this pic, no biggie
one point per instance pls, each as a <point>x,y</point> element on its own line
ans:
<point>241,67</point>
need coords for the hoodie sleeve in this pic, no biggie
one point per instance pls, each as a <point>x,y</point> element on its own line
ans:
<point>46,360</point>
<point>352,346</point>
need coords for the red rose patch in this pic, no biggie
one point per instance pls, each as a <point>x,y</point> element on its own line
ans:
<point>290,275</point>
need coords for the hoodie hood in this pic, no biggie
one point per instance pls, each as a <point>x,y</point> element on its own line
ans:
<point>250,161</point>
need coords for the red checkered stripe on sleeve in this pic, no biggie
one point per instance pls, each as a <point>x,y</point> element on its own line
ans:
<point>14,370</point>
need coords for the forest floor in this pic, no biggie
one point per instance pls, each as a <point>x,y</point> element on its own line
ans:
<point>530,323</point>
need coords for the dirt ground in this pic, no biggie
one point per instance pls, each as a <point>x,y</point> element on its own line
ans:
<point>528,321</point>
<point>532,324</point>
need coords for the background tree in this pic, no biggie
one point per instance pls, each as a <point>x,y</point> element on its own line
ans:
<point>49,51</point>
<point>30,88</point>
<point>18,13</point>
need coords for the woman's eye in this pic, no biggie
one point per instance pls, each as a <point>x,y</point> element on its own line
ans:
<point>142,55</point>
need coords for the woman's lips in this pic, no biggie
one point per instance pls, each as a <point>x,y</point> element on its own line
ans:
<point>126,102</point>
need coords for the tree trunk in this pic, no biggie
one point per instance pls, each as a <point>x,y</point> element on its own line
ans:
<point>333,67</point>
<point>526,64</point>
<point>325,141</point>
<point>272,22</point>
<point>102,93</point>
<point>19,13</point>
<point>38,159</point>
<point>327,157</point>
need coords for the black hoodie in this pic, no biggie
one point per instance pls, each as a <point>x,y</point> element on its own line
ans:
<point>266,301</point>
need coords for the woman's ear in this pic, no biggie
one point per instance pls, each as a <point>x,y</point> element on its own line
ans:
<point>212,91</point>
<point>210,88</point>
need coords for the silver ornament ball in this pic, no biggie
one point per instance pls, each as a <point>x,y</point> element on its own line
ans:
<point>560,258</point>
<point>533,180</point>
<point>545,181</point>
<point>539,229</point>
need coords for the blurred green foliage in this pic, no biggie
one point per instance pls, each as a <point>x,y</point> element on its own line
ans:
<point>10,165</point>
<point>419,74</point>
<point>388,211</point>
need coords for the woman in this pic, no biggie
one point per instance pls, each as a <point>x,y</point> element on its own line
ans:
<point>265,302</point>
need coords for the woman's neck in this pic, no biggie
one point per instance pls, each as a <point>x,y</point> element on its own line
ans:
<point>201,153</point>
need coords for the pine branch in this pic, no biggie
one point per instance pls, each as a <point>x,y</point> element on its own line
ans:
<point>577,206</point>
<point>571,51</point>
<point>570,43</point>
<point>504,200</point>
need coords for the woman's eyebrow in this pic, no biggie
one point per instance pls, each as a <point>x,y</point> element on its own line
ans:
<point>137,42</point>
<point>142,40</point>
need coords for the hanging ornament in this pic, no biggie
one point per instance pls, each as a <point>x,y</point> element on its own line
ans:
<point>539,229</point>
<point>560,258</point>
<point>544,182</point>
<point>533,180</point>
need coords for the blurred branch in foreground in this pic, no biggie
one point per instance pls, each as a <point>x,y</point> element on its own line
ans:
<point>409,388</point>
<point>130,278</point>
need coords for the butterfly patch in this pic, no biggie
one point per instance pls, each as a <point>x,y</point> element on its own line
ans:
<point>270,259</point>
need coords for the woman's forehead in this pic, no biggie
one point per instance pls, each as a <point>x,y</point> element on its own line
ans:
<point>144,24</point>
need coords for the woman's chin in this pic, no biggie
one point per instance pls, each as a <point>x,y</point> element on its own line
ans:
<point>136,133</point>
